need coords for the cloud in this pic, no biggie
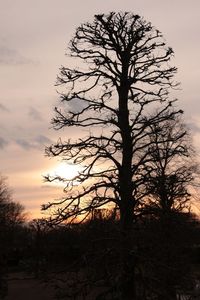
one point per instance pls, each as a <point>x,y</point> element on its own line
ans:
<point>76,104</point>
<point>9,56</point>
<point>48,186</point>
<point>35,114</point>
<point>3,108</point>
<point>194,126</point>
<point>36,143</point>
<point>3,143</point>
<point>24,144</point>
<point>43,140</point>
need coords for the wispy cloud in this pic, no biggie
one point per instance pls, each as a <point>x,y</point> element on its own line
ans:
<point>3,108</point>
<point>43,140</point>
<point>3,143</point>
<point>194,126</point>
<point>35,143</point>
<point>24,144</point>
<point>35,114</point>
<point>9,56</point>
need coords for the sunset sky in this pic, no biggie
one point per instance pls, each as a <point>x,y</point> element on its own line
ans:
<point>33,39</point>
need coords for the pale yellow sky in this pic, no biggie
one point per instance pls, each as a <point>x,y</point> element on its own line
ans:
<point>33,39</point>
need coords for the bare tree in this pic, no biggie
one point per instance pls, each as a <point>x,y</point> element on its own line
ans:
<point>118,92</point>
<point>11,212</point>
<point>167,193</point>
<point>173,168</point>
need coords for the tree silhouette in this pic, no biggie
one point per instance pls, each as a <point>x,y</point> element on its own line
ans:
<point>172,176</point>
<point>11,215</point>
<point>11,212</point>
<point>117,92</point>
<point>173,169</point>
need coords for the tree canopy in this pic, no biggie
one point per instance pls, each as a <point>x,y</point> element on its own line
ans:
<point>123,74</point>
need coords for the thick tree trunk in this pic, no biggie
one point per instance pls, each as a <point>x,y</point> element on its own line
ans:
<point>128,285</point>
<point>128,261</point>
<point>125,177</point>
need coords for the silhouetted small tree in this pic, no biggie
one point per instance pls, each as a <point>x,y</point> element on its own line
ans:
<point>11,216</point>
<point>11,212</point>
<point>168,189</point>
<point>117,91</point>
<point>173,169</point>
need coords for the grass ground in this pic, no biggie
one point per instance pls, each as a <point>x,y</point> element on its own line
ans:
<point>23,287</point>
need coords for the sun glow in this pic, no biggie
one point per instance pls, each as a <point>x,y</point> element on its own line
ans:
<point>65,171</point>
